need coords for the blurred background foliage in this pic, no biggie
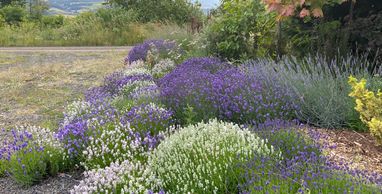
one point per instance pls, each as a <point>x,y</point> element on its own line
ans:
<point>234,30</point>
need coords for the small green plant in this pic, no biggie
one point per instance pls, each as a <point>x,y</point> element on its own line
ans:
<point>190,115</point>
<point>2,168</point>
<point>123,104</point>
<point>28,168</point>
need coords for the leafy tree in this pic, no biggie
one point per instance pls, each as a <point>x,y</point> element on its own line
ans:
<point>37,8</point>
<point>13,14</point>
<point>178,11</point>
<point>4,3</point>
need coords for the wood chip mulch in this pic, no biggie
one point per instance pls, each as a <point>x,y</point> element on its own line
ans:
<point>360,150</point>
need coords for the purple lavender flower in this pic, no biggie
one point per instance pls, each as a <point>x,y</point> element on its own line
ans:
<point>113,85</point>
<point>302,168</point>
<point>75,132</point>
<point>139,52</point>
<point>217,89</point>
<point>19,141</point>
<point>148,119</point>
<point>116,81</point>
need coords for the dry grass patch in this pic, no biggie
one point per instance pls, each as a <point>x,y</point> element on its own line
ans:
<point>35,88</point>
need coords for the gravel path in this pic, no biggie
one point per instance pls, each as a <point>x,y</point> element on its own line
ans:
<point>64,49</point>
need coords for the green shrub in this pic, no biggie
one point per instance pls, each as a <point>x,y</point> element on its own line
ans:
<point>173,11</point>
<point>54,21</point>
<point>116,18</point>
<point>105,27</point>
<point>203,158</point>
<point>369,105</point>
<point>241,30</point>
<point>13,14</point>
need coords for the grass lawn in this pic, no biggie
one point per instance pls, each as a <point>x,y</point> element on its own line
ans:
<point>35,86</point>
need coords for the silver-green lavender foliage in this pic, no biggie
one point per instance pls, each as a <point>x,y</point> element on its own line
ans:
<point>321,88</point>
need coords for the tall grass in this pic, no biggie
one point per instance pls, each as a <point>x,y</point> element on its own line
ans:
<point>88,29</point>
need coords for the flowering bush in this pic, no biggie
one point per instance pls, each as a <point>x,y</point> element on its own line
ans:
<point>74,132</point>
<point>136,93</point>
<point>369,105</point>
<point>138,64</point>
<point>302,169</point>
<point>217,89</point>
<point>146,94</point>
<point>202,158</point>
<point>116,142</point>
<point>142,71</point>
<point>179,89</point>
<point>163,67</point>
<point>114,83</point>
<point>123,177</point>
<point>148,118</point>
<point>153,50</point>
<point>30,153</point>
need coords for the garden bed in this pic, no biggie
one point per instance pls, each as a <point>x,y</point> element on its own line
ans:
<point>167,123</point>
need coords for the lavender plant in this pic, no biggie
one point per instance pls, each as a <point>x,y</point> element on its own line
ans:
<point>162,68</point>
<point>320,88</point>
<point>148,118</point>
<point>303,168</point>
<point>114,83</point>
<point>136,93</point>
<point>76,128</point>
<point>152,51</point>
<point>215,89</point>
<point>201,158</point>
<point>31,153</point>
<point>119,177</point>
<point>117,142</point>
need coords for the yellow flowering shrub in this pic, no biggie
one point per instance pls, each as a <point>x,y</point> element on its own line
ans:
<point>369,105</point>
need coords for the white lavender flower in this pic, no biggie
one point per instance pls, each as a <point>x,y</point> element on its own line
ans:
<point>113,142</point>
<point>74,110</point>
<point>119,177</point>
<point>136,71</point>
<point>163,67</point>
<point>202,158</point>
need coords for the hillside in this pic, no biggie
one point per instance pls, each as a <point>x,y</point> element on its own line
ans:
<point>72,7</point>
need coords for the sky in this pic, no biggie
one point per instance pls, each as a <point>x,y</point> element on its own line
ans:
<point>208,4</point>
